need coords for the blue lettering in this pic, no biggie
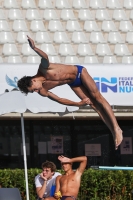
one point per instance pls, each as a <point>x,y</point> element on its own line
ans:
<point>127,83</point>
<point>121,89</point>
<point>121,83</point>
<point>131,83</point>
<point>128,89</point>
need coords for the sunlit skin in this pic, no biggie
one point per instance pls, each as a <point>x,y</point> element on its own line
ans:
<point>69,183</point>
<point>45,175</point>
<point>50,75</point>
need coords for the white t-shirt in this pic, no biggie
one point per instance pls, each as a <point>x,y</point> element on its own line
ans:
<point>39,182</point>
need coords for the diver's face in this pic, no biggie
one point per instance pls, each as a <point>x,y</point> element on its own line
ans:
<point>36,86</point>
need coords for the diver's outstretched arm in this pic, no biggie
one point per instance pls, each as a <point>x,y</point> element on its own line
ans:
<point>64,101</point>
<point>38,51</point>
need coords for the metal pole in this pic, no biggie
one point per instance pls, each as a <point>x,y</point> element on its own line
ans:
<point>25,160</point>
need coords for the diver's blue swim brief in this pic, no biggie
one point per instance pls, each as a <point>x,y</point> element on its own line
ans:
<point>77,81</point>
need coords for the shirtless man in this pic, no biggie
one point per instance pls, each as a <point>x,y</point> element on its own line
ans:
<point>50,75</point>
<point>69,183</point>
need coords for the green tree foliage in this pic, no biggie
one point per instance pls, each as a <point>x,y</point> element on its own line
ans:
<point>95,184</point>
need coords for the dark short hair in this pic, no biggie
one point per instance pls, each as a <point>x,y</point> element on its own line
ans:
<point>50,165</point>
<point>24,83</point>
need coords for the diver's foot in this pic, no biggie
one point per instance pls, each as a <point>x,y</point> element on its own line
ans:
<point>118,137</point>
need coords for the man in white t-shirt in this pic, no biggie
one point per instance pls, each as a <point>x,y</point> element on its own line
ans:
<point>45,182</point>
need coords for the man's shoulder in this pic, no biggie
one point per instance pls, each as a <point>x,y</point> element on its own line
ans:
<point>38,181</point>
<point>56,174</point>
<point>37,177</point>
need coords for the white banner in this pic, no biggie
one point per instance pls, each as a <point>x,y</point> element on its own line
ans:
<point>115,82</point>
<point>93,149</point>
<point>126,145</point>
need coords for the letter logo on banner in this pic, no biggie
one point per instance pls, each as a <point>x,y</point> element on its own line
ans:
<point>105,84</point>
<point>114,84</point>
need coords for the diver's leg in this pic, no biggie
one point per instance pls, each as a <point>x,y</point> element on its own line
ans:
<point>102,107</point>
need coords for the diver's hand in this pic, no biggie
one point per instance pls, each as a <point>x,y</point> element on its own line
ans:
<point>31,42</point>
<point>85,101</point>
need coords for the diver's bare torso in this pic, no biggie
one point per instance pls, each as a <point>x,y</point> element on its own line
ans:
<point>57,74</point>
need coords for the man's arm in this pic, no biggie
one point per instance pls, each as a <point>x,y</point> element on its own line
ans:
<point>81,159</point>
<point>64,101</point>
<point>38,51</point>
<point>57,183</point>
<point>40,189</point>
